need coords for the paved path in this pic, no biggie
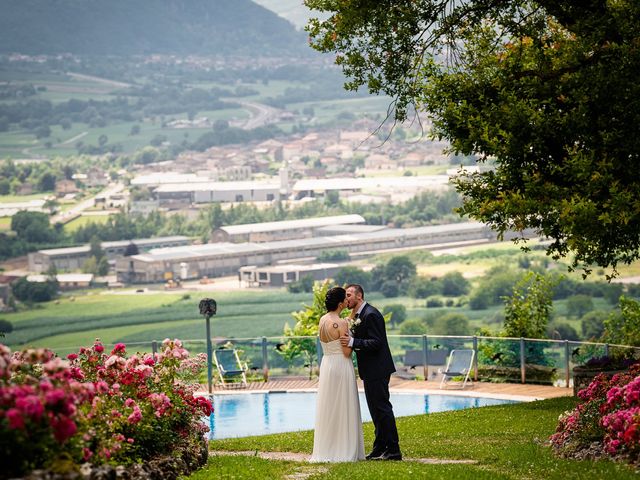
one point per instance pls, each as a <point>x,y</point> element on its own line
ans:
<point>304,457</point>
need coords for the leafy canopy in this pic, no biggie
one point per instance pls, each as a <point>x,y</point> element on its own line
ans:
<point>547,90</point>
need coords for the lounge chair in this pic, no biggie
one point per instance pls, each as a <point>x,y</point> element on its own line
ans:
<point>229,366</point>
<point>459,365</point>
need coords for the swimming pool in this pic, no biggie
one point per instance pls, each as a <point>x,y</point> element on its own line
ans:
<point>245,414</point>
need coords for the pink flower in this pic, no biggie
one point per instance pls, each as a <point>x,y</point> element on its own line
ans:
<point>16,421</point>
<point>54,397</point>
<point>148,360</point>
<point>129,402</point>
<point>98,348</point>
<point>118,348</point>
<point>63,428</point>
<point>30,406</point>
<point>135,416</point>
<point>86,454</point>
<point>72,356</point>
<point>102,386</point>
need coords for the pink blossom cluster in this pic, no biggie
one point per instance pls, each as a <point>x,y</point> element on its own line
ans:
<point>97,405</point>
<point>609,414</point>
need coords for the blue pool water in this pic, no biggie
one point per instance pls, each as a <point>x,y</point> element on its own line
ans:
<point>245,414</point>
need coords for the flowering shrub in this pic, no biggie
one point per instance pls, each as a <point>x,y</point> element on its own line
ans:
<point>97,406</point>
<point>606,422</point>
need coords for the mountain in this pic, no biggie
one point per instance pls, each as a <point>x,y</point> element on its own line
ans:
<point>134,27</point>
<point>293,10</point>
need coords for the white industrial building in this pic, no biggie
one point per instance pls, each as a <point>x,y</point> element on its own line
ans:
<point>73,258</point>
<point>284,230</point>
<point>218,259</point>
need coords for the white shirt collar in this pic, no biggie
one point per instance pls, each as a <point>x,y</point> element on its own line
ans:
<point>361,308</point>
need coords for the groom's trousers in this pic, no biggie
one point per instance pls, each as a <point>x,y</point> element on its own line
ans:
<point>377,394</point>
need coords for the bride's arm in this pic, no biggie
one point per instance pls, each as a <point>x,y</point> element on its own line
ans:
<point>344,329</point>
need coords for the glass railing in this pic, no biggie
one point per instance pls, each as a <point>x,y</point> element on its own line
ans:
<point>419,357</point>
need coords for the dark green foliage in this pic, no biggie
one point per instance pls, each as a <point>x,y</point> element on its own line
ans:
<point>350,274</point>
<point>305,284</point>
<point>562,331</point>
<point>579,305</point>
<point>33,227</point>
<point>334,256</point>
<point>548,90</point>
<point>453,284</point>
<point>592,324</point>
<point>5,326</point>
<point>423,287</point>
<point>26,291</point>
<point>398,313</point>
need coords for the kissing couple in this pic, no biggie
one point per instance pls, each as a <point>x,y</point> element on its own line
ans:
<point>338,426</point>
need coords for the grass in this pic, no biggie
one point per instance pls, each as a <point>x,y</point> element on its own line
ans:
<point>82,221</point>
<point>506,441</point>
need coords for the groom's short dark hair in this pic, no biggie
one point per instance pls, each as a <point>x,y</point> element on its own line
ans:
<point>357,288</point>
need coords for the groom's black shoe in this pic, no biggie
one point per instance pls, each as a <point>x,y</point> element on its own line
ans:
<point>375,455</point>
<point>391,455</point>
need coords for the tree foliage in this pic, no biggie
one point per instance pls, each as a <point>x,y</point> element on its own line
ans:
<point>546,89</point>
<point>306,325</point>
<point>528,310</point>
<point>623,327</point>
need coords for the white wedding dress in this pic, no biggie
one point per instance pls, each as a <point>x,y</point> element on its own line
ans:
<point>338,427</point>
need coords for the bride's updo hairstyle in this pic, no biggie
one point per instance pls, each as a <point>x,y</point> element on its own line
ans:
<point>335,297</point>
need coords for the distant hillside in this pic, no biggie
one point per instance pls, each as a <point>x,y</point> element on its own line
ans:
<point>292,10</point>
<point>132,27</point>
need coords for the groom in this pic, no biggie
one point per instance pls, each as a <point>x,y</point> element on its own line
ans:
<point>375,366</point>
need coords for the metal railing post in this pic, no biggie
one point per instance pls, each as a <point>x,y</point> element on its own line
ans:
<point>425,357</point>
<point>154,346</point>
<point>523,377</point>
<point>566,363</point>
<point>606,349</point>
<point>209,358</point>
<point>265,360</point>
<point>475,358</point>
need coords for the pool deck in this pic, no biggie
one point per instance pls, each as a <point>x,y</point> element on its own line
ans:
<point>504,391</point>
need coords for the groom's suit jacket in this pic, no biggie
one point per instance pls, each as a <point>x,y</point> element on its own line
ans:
<point>371,345</point>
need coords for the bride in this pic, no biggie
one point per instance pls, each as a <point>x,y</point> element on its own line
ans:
<point>338,426</point>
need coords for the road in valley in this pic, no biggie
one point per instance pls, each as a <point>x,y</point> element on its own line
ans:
<point>85,204</point>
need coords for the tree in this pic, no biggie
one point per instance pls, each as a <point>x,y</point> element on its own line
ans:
<point>47,182</point>
<point>413,327</point>
<point>307,321</point>
<point>400,270</point>
<point>132,249</point>
<point>547,90</point>
<point>398,313</point>
<point>451,324</point>
<point>350,274</point>
<point>95,248</point>
<point>528,310</point>
<point>623,327</point>
<point>33,227</point>
<point>592,324</point>
<point>578,305</point>
<point>26,291</point>
<point>454,284</point>
<point>103,140</point>
<point>5,327</point>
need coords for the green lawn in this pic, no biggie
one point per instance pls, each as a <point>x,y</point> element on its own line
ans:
<point>506,442</point>
<point>81,221</point>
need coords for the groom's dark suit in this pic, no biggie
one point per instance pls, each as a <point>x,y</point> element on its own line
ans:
<point>375,366</point>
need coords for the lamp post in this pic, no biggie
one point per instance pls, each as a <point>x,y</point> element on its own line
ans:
<point>208,308</point>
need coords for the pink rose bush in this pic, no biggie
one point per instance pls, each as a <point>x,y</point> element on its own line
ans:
<point>98,406</point>
<point>606,422</point>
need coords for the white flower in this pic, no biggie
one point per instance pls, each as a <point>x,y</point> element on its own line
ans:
<point>354,322</point>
